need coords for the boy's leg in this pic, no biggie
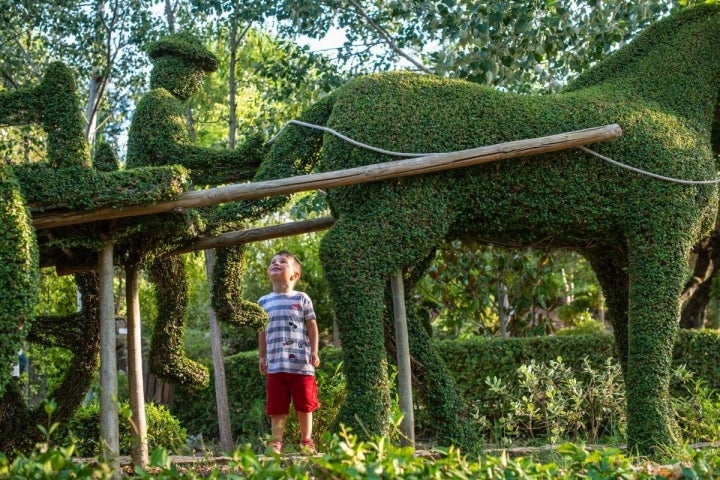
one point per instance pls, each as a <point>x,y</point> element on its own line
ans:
<point>278,402</point>
<point>305,398</point>
<point>277,425</point>
<point>305,421</point>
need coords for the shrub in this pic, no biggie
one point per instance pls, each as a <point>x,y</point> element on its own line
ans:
<point>548,401</point>
<point>84,429</point>
<point>697,413</point>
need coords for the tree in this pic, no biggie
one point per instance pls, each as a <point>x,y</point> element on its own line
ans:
<point>463,289</point>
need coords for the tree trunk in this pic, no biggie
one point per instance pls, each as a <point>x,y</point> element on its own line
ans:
<point>696,294</point>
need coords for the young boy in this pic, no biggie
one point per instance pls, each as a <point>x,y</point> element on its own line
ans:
<point>288,350</point>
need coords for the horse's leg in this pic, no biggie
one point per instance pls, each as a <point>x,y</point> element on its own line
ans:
<point>359,254</point>
<point>657,263</point>
<point>357,289</point>
<point>610,270</point>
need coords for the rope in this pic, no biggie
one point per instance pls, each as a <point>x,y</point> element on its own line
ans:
<point>414,155</point>
<point>348,140</point>
<point>650,174</point>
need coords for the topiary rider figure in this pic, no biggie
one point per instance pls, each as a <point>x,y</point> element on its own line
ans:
<point>158,133</point>
<point>159,136</point>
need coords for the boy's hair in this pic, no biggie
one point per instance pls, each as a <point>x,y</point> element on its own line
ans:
<point>288,254</point>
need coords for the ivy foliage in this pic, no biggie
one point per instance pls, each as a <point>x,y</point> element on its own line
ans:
<point>158,133</point>
<point>167,359</point>
<point>635,230</point>
<point>53,103</point>
<point>18,430</point>
<point>18,272</point>
<point>47,188</point>
<point>227,291</point>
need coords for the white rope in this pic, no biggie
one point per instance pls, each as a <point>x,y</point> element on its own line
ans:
<point>348,140</point>
<point>650,174</point>
<point>414,155</point>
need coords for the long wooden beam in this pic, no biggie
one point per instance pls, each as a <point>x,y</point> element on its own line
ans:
<point>227,239</point>
<point>239,237</point>
<point>339,178</point>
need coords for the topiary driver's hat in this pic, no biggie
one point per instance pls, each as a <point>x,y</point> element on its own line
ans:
<point>185,46</point>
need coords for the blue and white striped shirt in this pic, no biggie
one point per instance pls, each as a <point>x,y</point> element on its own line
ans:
<point>286,334</point>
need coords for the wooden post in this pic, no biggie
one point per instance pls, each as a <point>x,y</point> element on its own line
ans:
<point>140,455</point>
<point>221,396</point>
<point>109,429</point>
<point>351,176</point>
<point>407,426</point>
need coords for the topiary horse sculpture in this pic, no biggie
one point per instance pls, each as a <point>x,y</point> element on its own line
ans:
<point>637,231</point>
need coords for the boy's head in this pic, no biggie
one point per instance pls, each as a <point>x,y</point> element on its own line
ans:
<point>285,268</point>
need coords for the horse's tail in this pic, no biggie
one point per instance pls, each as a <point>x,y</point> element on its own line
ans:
<point>295,151</point>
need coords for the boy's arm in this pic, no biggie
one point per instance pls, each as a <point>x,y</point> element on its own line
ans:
<point>313,335</point>
<point>262,353</point>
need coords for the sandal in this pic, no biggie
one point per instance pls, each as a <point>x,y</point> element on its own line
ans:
<point>307,447</point>
<point>277,446</point>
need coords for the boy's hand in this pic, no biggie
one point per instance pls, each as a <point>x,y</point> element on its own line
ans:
<point>315,360</point>
<point>262,365</point>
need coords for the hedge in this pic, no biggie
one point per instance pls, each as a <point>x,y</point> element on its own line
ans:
<point>470,361</point>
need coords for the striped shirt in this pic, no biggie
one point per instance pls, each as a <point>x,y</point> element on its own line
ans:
<point>286,334</point>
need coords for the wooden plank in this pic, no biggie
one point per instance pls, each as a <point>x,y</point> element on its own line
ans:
<point>228,239</point>
<point>222,403</point>
<point>352,176</point>
<point>136,392</point>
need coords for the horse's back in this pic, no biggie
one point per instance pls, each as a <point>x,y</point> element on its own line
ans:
<point>546,194</point>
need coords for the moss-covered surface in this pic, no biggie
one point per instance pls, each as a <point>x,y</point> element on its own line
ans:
<point>662,90</point>
<point>159,136</point>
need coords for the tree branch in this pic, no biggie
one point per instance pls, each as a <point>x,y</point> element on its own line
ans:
<point>386,36</point>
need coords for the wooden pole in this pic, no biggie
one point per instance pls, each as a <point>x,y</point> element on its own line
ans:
<point>221,396</point>
<point>407,426</point>
<point>239,237</point>
<point>109,428</point>
<point>350,176</point>
<point>140,455</point>
<point>227,239</point>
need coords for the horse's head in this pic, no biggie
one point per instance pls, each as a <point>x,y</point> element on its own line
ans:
<point>672,57</point>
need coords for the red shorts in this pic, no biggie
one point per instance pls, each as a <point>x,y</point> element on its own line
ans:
<point>282,387</point>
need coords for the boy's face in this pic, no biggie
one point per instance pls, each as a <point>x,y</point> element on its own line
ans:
<point>283,269</point>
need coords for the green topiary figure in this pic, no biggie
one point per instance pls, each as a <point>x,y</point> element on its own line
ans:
<point>158,133</point>
<point>65,180</point>
<point>637,231</point>
<point>79,334</point>
<point>54,104</point>
<point>159,136</point>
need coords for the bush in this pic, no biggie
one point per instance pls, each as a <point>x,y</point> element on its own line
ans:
<point>83,428</point>
<point>697,413</point>
<point>347,458</point>
<point>547,401</point>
